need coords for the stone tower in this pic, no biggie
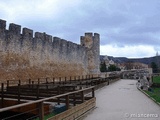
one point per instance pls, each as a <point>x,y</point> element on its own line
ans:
<point>92,42</point>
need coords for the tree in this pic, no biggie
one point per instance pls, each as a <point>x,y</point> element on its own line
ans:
<point>154,67</point>
<point>113,68</point>
<point>103,67</point>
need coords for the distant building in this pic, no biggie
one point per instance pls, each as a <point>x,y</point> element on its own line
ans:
<point>157,54</point>
<point>134,65</point>
<point>121,66</point>
<point>108,62</point>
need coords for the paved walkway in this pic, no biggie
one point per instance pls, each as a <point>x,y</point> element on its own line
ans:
<point>123,101</point>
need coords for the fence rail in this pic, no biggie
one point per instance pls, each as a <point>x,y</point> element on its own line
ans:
<point>45,90</point>
<point>40,102</point>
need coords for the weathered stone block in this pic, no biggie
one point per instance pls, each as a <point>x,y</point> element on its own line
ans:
<point>15,29</point>
<point>27,33</point>
<point>2,24</point>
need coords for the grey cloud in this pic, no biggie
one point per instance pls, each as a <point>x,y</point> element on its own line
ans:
<point>133,39</point>
<point>121,22</point>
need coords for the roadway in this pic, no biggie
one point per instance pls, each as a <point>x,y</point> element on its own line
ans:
<point>123,101</point>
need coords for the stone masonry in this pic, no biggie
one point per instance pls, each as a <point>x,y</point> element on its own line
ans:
<point>28,55</point>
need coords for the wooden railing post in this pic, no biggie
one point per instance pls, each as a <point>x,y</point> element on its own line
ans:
<point>53,80</point>
<point>91,82</point>
<point>97,81</point>
<point>19,82</point>
<point>67,102</point>
<point>58,92</point>
<point>59,80</point>
<point>74,97</point>
<point>29,83</point>
<point>80,84</point>
<point>19,90</point>
<point>86,84</point>
<point>70,79</point>
<point>82,96</point>
<point>38,81</point>
<point>32,84</point>
<point>47,84</point>
<point>41,110</point>
<point>2,96</point>
<point>93,94</point>
<point>65,80</point>
<point>38,91</point>
<point>7,83</point>
<point>63,89</point>
<point>46,80</point>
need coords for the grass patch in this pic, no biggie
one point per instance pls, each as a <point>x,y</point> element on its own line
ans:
<point>155,93</point>
<point>156,79</point>
<point>47,116</point>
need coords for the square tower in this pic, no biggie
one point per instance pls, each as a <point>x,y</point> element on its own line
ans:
<point>92,42</point>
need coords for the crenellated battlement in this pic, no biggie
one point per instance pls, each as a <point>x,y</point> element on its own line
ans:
<point>15,29</point>
<point>27,33</point>
<point>2,24</point>
<point>38,54</point>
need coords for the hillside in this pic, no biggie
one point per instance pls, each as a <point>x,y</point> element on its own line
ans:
<point>148,60</point>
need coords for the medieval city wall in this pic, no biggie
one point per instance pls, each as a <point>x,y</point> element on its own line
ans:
<point>24,55</point>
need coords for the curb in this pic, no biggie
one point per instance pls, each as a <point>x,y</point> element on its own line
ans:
<point>149,96</point>
<point>84,115</point>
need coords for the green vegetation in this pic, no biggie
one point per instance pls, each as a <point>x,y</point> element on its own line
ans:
<point>113,68</point>
<point>154,67</point>
<point>156,79</point>
<point>110,68</point>
<point>47,116</point>
<point>103,67</point>
<point>154,93</point>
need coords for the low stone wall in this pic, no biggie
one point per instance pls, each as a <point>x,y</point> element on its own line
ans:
<point>76,111</point>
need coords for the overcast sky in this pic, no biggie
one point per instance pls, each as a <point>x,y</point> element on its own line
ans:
<point>128,28</point>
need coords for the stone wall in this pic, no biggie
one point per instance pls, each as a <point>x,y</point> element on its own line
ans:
<point>28,55</point>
